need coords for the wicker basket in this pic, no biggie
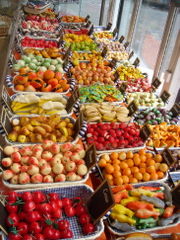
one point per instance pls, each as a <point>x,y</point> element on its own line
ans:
<point>4,27</point>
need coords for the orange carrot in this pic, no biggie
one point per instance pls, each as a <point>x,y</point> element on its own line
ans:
<point>120,195</point>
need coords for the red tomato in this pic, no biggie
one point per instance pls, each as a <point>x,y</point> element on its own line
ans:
<point>63,224</point>
<point>35,227</point>
<point>84,219</point>
<point>57,213</point>
<point>12,220</point>
<point>66,202</point>
<point>11,196</point>
<point>22,215</point>
<point>12,236</point>
<point>53,196</point>
<point>88,228</point>
<point>11,208</point>
<point>69,211</point>
<point>48,232</point>
<point>59,203</point>
<point>27,196</point>
<point>66,234</point>
<point>46,208</point>
<point>39,197</point>
<point>22,228</point>
<point>33,216</point>
<point>27,237</point>
<point>39,236</point>
<point>29,206</point>
<point>80,210</point>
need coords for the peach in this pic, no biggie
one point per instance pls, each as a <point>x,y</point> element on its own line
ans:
<point>58,156</point>
<point>25,151</point>
<point>60,178</point>
<point>48,179</point>
<point>33,161</point>
<point>37,178</point>
<point>47,155</point>
<point>24,168</point>
<point>14,179</point>
<point>33,169</point>
<point>7,174</point>
<point>24,178</point>
<point>19,87</point>
<point>65,160</point>
<point>54,148</point>
<point>16,157</point>
<point>66,147</point>
<point>70,166</point>
<point>8,150</point>
<point>6,162</point>
<point>55,161</point>
<point>42,162</point>
<point>24,159</point>
<point>47,144</point>
<point>46,169</point>
<point>48,74</point>
<point>16,167</point>
<point>71,176</point>
<point>57,168</point>
<point>82,170</point>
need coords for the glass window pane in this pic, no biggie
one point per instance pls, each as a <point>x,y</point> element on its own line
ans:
<point>149,31</point>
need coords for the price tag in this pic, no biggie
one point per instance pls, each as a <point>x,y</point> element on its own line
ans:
<point>123,87</point>
<point>121,39</point>
<point>168,158</point>
<point>72,100</point>
<point>6,98</point>
<point>136,62</point>
<point>5,121</point>
<point>78,125</point>
<point>165,96</point>
<point>175,192</point>
<point>116,76</point>
<point>100,202</point>
<point>131,54</point>
<point>126,45</point>
<point>175,110</point>
<point>104,52</point>
<point>113,63</point>
<point>132,107</point>
<point>91,30</point>
<point>90,157</point>
<point>145,132</point>
<point>3,217</point>
<point>87,18</point>
<point>156,83</point>
<point>109,26</point>
<point>115,31</point>
<point>88,24</point>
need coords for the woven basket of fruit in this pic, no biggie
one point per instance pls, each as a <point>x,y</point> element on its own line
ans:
<point>42,165</point>
<point>66,205</point>
<point>131,214</point>
<point>133,167</point>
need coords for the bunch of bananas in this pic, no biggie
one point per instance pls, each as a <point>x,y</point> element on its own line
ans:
<point>105,112</point>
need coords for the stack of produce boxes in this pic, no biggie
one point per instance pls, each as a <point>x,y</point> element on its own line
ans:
<point>62,62</point>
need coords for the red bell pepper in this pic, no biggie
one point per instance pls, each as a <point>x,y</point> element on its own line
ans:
<point>144,213</point>
<point>168,211</point>
<point>135,205</point>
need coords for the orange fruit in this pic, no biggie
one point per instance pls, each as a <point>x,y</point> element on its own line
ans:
<point>109,177</point>
<point>125,179</point>
<point>127,171</point>
<point>116,167</point>
<point>142,165</point>
<point>109,168</point>
<point>142,170</point>
<point>150,162</point>
<point>106,157</point>
<point>163,167</point>
<point>122,155</point>
<point>133,180</point>
<point>157,166</point>
<point>142,158</point>
<point>136,155</point>
<point>116,174</point>
<point>154,176</point>
<point>115,162</point>
<point>118,181</point>
<point>138,176</point>
<point>102,162</point>
<point>114,155</point>
<point>149,155</point>
<point>158,158</point>
<point>129,154</point>
<point>130,162</point>
<point>134,169</point>
<point>146,177</point>
<point>48,74</point>
<point>142,152</point>
<point>160,174</point>
<point>151,169</point>
<point>123,165</point>
<point>137,161</point>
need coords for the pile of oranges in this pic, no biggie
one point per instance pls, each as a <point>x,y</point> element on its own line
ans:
<point>132,167</point>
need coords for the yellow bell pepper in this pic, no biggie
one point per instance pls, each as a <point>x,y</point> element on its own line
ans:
<point>118,208</point>
<point>139,192</point>
<point>123,218</point>
<point>125,201</point>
